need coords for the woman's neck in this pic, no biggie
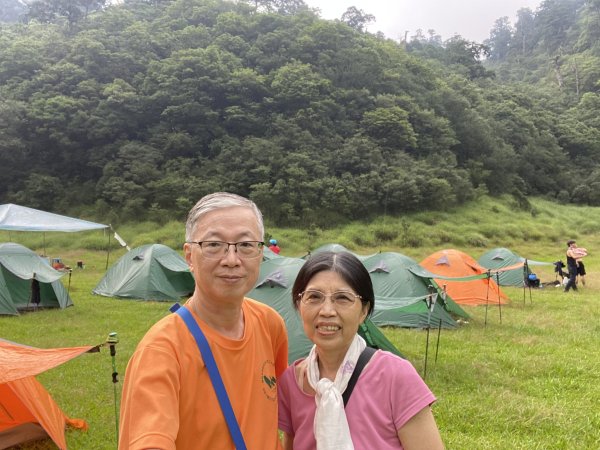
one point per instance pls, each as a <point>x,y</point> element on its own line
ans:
<point>329,363</point>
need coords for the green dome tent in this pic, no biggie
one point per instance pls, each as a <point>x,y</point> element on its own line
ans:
<point>336,248</point>
<point>516,268</point>
<point>149,272</point>
<point>19,267</point>
<point>274,288</point>
<point>402,292</point>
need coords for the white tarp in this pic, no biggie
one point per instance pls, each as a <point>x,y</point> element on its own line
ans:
<point>21,218</point>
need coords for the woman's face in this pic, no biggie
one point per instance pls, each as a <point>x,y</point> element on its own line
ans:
<point>332,326</point>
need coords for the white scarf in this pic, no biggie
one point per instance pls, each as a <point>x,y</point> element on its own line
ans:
<point>330,425</point>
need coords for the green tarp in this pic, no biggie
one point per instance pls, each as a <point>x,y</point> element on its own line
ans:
<point>149,272</point>
<point>274,288</point>
<point>501,258</point>
<point>407,296</point>
<point>19,266</point>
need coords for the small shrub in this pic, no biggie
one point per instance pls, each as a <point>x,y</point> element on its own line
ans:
<point>363,240</point>
<point>477,240</point>
<point>441,237</point>
<point>385,235</point>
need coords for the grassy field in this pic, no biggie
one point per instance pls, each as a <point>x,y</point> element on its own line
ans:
<point>529,380</point>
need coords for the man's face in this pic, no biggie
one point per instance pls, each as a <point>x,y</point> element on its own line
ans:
<point>229,278</point>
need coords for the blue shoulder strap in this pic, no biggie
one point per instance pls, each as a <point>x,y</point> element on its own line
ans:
<point>213,372</point>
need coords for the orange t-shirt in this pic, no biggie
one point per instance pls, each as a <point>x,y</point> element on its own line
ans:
<point>169,401</point>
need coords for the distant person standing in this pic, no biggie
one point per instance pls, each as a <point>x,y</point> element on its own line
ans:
<point>35,291</point>
<point>580,252</point>
<point>572,265</point>
<point>274,247</point>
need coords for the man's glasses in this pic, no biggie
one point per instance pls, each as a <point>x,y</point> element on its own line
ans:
<point>342,299</point>
<point>218,249</point>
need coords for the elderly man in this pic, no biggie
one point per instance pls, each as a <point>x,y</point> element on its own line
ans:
<point>169,401</point>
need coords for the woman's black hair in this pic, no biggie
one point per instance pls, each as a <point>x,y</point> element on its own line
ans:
<point>345,265</point>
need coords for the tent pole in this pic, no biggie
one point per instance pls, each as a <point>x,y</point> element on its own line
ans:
<point>69,286</point>
<point>499,299</point>
<point>429,302</point>
<point>525,280</point>
<point>437,346</point>
<point>44,240</point>
<point>487,299</point>
<point>426,354</point>
<point>108,249</point>
<point>528,284</point>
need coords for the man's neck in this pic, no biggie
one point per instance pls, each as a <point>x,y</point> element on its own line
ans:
<point>226,319</point>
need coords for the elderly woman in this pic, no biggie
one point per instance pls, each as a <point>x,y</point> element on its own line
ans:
<point>389,407</point>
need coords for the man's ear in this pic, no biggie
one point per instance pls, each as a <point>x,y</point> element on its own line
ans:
<point>187,252</point>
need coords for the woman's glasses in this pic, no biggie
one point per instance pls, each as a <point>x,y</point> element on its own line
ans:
<point>342,299</point>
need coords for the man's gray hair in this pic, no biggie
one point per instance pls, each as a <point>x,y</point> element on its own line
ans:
<point>218,200</point>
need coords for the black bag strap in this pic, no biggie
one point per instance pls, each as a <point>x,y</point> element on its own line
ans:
<point>363,359</point>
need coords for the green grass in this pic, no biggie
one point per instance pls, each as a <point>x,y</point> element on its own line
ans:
<point>529,381</point>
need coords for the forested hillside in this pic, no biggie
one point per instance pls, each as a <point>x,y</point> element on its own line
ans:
<point>135,110</point>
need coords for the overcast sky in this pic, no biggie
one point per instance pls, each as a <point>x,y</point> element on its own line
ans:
<point>472,19</point>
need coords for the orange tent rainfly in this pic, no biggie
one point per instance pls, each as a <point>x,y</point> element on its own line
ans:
<point>479,288</point>
<point>27,411</point>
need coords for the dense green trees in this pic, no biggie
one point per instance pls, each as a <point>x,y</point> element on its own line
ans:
<point>136,110</point>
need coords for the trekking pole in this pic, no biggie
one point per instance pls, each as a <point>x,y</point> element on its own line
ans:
<point>112,341</point>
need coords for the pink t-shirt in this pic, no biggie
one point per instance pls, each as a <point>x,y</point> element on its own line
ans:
<point>387,394</point>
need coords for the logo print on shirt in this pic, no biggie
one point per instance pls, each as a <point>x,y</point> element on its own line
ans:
<point>268,380</point>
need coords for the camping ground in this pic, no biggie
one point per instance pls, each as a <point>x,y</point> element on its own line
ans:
<point>527,382</point>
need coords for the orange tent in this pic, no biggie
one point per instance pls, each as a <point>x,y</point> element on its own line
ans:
<point>456,264</point>
<point>27,411</point>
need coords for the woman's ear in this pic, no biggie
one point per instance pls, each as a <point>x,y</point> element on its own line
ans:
<point>364,312</point>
